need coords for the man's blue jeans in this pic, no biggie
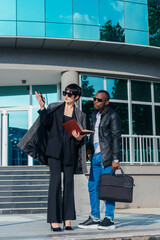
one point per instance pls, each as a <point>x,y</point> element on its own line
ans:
<point>93,185</point>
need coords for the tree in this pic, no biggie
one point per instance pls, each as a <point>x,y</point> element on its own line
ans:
<point>154,22</point>
<point>108,32</point>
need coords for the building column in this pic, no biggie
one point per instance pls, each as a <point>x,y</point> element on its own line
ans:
<point>68,78</point>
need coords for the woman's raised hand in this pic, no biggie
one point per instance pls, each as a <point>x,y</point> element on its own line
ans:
<point>39,99</point>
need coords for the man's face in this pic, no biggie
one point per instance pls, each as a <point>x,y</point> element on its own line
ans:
<point>100,102</point>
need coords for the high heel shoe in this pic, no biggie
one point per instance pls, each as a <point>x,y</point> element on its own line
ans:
<point>67,228</point>
<point>58,229</point>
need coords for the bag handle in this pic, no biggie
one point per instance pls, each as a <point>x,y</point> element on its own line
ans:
<point>122,172</point>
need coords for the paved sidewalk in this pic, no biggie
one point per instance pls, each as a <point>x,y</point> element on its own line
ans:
<point>130,224</point>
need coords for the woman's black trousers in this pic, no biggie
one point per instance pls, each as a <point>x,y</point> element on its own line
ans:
<point>61,205</point>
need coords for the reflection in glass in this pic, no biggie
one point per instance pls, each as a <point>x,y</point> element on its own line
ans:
<point>59,30</point>
<point>136,16</point>
<point>17,127</point>
<point>7,9</point>
<point>90,85</point>
<point>117,88</point>
<point>154,22</point>
<point>14,96</point>
<point>31,29</point>
<point>136,37</point>
<point>7,28</point>
<point>86,12</point>
<point>112,11</point>
<point>30,10</point>
<point>141,91</point>
<point>57,11</point>
<point>157,92</point>
<point>87,107</point>
<point>110,32</point>
<point>142,119</point>
<point>86,32</point>
<point>48,91</point>
<point>122,110</point>
<point>157,117</point>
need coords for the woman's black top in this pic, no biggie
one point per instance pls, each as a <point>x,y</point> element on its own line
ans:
<point>69,148</point>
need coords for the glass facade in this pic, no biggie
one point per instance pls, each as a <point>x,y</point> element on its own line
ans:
<point>135,21</point>
<point>18,111</point>
<point>139,105</point>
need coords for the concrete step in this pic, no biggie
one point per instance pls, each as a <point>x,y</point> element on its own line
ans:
<point>23,172</point>
<point>23,210</point>
<point>23,199</point>
<point>24,177</point>
<point>24,168</point>
<point>37,181</point>
<point>24,187</point>
<point>24,193</point>
<point>23,204</point>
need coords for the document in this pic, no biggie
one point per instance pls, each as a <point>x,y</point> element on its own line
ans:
<point>73,125</point>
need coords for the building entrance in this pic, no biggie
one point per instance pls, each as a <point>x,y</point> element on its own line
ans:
<point>13,125</point>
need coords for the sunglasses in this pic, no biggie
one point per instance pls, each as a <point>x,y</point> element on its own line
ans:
<point>67,93</point>
<point>98,99</point>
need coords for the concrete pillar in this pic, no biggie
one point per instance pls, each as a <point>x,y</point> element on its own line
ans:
<point>68,78</point>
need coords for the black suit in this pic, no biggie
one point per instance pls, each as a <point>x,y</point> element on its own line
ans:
<point>57,146</point>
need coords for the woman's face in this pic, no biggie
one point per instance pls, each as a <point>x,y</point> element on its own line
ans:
<point>69,97</point>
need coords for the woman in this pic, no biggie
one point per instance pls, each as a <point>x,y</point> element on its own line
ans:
<point>62,152</point>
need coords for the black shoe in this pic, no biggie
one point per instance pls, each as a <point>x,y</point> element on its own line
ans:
<point>90,223</point>
<point>68,228</point>
<point>56,229</point>
<point>106,224</point>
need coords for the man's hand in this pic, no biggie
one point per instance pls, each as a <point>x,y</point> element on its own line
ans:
<point>115,165</point>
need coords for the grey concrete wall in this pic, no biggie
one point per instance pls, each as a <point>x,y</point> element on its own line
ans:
<point>81,61</point>
<point>146,192</point>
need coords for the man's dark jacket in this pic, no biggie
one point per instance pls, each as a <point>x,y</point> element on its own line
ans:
<point>40,142</point>
<point>109,135</point>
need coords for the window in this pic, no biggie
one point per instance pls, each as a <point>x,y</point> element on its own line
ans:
<point>112,20</point>
<point>86,12</point>
<point>141,91</point>
<point>117,88</point>
<point>7,9</point>
<point>30,10</point>
<point>90,85</point>
<point>59,11</point>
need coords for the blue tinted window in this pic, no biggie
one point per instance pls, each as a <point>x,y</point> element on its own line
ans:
<point>7,28</point>
<point>86,32</point>
<point>59,30</point>
<point>86,12</point>
<point>111,11</point>
<point>48,91</point>
<point>90,85</point>
<point>31,29</point>
<point>136,16</point>
<point>14,96</point>
<point>136,37</point>
<point>57,11</point>
<point>7,9</point>
<point>30,10</point>
<point>117,88</point>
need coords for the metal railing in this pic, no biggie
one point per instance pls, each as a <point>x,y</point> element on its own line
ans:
<point>138,149</point>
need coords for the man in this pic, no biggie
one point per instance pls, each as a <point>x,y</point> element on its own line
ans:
<point>105,144</point>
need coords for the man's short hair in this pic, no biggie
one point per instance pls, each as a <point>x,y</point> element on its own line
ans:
<point>106,93</point>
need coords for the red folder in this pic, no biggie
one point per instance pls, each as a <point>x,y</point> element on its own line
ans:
<point>73,125</point>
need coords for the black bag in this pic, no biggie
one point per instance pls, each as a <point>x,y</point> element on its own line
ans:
<point>117,188</point>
